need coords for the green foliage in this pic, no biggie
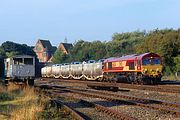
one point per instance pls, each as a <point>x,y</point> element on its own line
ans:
<point>124,43</point>
<point>2,52</point>
<point>9,49</point>
<point>177,63</point>
<point>59,57</point>
<point>166,43</point>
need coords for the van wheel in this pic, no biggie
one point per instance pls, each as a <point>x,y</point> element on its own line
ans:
<point>31,82</point>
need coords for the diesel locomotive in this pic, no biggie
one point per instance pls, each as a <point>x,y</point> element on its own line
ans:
<point>144,68</point>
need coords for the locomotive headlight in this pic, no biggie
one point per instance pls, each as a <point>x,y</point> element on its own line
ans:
<point>158,70</point>
<point>144,70</point>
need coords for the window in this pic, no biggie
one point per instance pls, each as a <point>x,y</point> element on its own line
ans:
<point>156,61</point>
<point>18,61</point>
<point>151,61</point>
<point>28,61</point>
<point>146,61</point>
<point>131,66</point>
<point>110,65</point>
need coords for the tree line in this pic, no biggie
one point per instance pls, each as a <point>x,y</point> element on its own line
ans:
<point>164,42</point>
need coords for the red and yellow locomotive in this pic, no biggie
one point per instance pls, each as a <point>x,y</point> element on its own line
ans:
<point>144,68</point>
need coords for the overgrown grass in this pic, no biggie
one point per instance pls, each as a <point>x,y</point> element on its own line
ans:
<point>20,104</point>
<point>26,104</point>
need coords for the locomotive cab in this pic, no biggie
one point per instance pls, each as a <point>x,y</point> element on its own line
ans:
<point>152,67</point>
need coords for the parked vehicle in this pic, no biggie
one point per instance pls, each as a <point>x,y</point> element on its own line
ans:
<point>20,68</point>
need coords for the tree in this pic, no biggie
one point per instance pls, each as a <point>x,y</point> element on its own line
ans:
<point>164,42</point>
<point>10,49</point>
<point>59,57</point>
<point>177,65</point>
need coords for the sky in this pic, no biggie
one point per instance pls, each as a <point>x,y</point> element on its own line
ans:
<point>26,21</point>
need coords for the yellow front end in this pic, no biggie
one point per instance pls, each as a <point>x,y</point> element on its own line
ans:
<point>152,70</point>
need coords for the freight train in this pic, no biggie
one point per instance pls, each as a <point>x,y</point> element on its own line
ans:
<point>144,68</point>
<point>20,68</point>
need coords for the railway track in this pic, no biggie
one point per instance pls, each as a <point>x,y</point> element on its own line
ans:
<point>141,100</point>
<point>109,112</point>
<point>74,114</point>
<point>169,110</point>
<point>172,108</point>
<point>158,88</point>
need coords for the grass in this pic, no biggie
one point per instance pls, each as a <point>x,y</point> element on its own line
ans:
<point>26,104</point>
<point>20,104</point>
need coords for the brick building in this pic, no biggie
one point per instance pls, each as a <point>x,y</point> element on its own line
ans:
<point>44,50</point>
<point>65,47</point>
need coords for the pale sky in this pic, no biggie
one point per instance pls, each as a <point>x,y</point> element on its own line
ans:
<point>24,21</point>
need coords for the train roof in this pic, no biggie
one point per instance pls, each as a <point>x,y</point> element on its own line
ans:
<point>21,56</point>
<point>131,57</point>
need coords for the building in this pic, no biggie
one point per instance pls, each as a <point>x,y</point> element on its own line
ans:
<point>65,47</point>
<point>44,50</point>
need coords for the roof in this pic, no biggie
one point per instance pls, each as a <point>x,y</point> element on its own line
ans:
<point>67,46</point>
<point>54,48</point>
<point>22,56</point>
<point>46,44</point>
<point>131,57</point>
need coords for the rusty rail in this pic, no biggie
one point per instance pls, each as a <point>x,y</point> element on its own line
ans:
<point>68,109</point>
<point>110,112</point>
<point>158,88</point>
<point>86,93</point>
<point>171,104</point>
<point>176,112</point>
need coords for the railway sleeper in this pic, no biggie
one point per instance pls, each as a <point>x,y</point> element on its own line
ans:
<point>72,112</point>
<point>129,102</point>
<point>113,113</point>
<point>144,101</point>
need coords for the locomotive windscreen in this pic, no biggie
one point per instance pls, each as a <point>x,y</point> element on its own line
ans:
<point>151,61</point>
